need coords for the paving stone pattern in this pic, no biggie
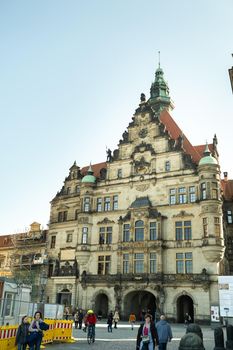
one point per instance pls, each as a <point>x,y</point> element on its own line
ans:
<point>123,338</point>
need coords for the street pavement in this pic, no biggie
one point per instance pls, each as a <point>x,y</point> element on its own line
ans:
<point>123,338</point>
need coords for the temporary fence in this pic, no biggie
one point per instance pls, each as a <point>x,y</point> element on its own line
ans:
<point>59,331</point>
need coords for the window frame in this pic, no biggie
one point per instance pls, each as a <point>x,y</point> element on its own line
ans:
<point>139,231</point>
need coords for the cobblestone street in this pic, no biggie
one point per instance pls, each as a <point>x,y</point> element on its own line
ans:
<point>124,338</point>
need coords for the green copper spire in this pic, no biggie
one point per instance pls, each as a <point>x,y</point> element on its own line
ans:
<point>207,158</point>
<point>159,92</point>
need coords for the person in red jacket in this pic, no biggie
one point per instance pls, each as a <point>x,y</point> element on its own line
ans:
<point>91,320</point>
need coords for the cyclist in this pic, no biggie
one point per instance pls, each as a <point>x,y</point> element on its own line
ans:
<point>91,322</point>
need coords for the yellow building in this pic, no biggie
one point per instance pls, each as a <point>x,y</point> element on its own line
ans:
<point>144,229</point>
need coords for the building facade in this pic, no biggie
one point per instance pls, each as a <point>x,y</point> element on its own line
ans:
<point>143,230</point>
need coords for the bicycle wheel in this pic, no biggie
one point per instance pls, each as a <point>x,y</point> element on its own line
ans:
<point>89,339</point>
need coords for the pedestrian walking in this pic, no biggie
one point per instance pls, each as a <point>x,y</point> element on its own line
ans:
<point>147,337</point>
<point>80,318</point>
<point>109,322</point>
<point>132,320</point>
<point>187,319</point>
<point>164,332</point>
<point>22,334</point>
<point>116,318</point>
<point>76,319</point>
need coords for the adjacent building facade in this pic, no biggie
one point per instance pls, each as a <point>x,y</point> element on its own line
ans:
<point>144,229</point>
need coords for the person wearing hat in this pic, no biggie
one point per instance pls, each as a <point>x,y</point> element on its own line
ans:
<point>91,320</point>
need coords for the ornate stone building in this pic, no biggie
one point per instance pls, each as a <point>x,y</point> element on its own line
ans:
<point>142,230</point>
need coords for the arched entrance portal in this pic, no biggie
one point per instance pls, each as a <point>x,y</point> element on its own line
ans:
<point>101,305</point>
<point>139,302</point>
<point>64,297</point>
<point>184,304</point>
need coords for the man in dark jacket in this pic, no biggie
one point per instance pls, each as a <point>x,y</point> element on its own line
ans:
<point>164,332</point>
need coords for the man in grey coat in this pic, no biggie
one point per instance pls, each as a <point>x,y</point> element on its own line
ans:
<point>164,332</point>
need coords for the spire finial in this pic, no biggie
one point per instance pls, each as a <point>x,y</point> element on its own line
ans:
<point>159,58</point>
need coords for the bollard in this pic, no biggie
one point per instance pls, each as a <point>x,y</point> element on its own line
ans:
<point>191,341</point>
<point>229,342</point>
<point>218,339</point>
<point>195,328</point>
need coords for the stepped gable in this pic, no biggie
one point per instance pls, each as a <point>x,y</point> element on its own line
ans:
<point>196,152</point>
<point>95,167</point>
<point>227,188</point>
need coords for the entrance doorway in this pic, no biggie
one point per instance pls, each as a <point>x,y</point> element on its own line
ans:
<point>184,304</point>
<point>64,297</point>
<point>139,302</point>
<point>101,305</point>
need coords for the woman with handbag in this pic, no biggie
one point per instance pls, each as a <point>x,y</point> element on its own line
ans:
<point>147,337</point>
<point>22,334</point>
<point>36,329</point>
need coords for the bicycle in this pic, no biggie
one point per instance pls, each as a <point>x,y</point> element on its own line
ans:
<point>91,334</point>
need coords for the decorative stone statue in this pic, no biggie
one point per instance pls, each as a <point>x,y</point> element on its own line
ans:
<point>109,155</point>
<point>143,98</point>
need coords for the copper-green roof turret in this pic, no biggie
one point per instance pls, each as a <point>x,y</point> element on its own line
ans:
<point>159,93</point>
<point>89,178</point>
<point>207,158</point>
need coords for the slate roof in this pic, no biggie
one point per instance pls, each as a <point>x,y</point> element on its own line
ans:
<point>141,202</point>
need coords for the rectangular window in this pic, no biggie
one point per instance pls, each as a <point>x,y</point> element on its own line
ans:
<point>192,194</point>
<point>187,230</point>
<point>217,226</point>
<point>182,195</point>
<point>8,305</point>
<point>119,173</point>
<point>167,166</point>
<point>214,190</point>
<point>77,189</point>
<point>152,262</point>
<point>84,235</point>
<point>115,202</point>
<point>205,226</point>
<point>153,231</point>
<point>203,190</point>
<point>53,242</point>
<point>183,230</point>
<point>172,199</point>
<point>125,263</point>
<point>179,231</point>
<point>86,204</point>
<point>229,217</point>
<point>69,237</point>
<point>109,235</point>
<point>138,263</point>
<point>62,216</point>
<point>105,235</point>
<point>99,204</point>
<point>68,190</point>
<point>104,264</point>
<point>107,204</point>
<point>184,263</point>
<point>126,232</point>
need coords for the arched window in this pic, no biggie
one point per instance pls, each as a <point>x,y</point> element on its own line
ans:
<point>139,230</point>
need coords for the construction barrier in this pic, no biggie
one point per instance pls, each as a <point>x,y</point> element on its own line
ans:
<point>63,331</point>
<point>7,337</point>
<point>59,330</point>
<point>49,334</point>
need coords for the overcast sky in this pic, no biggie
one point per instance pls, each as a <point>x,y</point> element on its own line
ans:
<point>71,75</point>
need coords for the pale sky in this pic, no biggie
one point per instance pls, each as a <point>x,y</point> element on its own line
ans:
<point>71,75</point>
